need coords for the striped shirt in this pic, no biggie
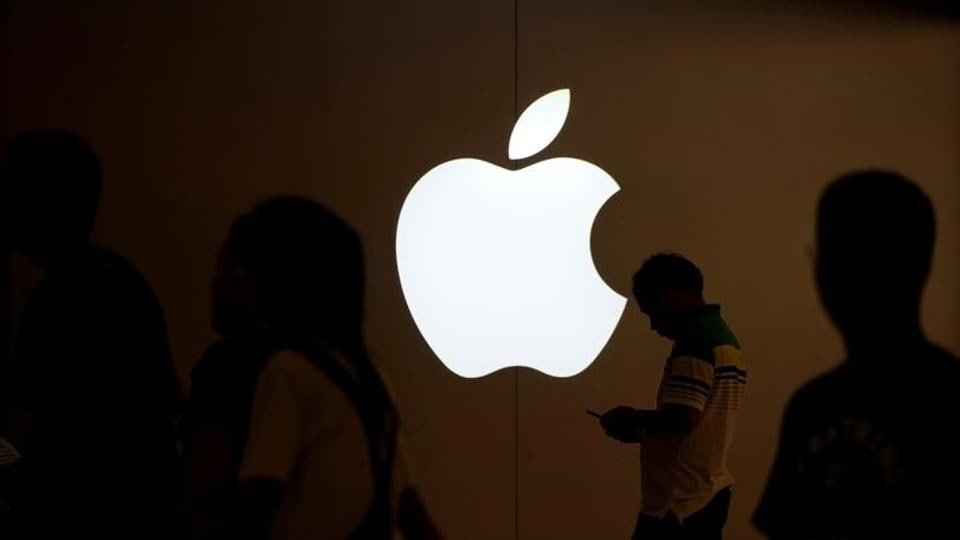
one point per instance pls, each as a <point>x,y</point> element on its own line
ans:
<point>705,371</point>
<point>8,458</point>
<point>8,454</point>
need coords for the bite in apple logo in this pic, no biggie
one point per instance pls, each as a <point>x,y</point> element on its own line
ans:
<point>496,265</point>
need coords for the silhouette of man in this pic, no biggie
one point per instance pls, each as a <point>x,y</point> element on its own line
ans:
<point>685,440</point>
<point>867,450</point>
<point>92,372</point>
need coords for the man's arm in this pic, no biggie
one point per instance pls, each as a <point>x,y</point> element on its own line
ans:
<point>630,425</point>
<point>682,397</point>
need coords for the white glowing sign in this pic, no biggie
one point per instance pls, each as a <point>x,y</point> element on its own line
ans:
<point>496,265</point>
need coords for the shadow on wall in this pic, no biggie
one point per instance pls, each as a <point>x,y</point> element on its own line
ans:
<point>928,9</point>
<point>932,8</point>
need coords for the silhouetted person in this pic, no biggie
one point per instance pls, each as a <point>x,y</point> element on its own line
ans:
<point>216,425</point>
<point>685,440</point>
<point>93,386</point>
<point>293,433</point>
<point>869,449</point>
<point>9,470</point>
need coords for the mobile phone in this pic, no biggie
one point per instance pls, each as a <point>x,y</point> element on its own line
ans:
<point>591,413</point>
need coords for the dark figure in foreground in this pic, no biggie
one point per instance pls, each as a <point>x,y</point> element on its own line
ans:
<point>869,449</point>
<point>94,391</point>
<point>292,432</point>
<point>685,440</point>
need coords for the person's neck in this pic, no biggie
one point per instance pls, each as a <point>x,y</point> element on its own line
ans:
<point>693,306</point>
<point>62,256</point>
<point>686,313</point>
<point>884,341</point>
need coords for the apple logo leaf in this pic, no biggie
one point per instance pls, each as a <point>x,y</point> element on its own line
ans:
<point>539,124</point>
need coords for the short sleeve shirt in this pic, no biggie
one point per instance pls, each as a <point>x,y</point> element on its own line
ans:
<point>705,371</point>
<point>222,389</point>
<point>305,432</point>
<point>868,451</point>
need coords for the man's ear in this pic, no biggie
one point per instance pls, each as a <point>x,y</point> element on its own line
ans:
<point>670,299</point>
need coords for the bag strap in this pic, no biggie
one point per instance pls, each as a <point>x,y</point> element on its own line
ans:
<point>381,443</point>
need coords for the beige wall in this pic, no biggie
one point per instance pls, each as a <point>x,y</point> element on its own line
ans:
<point>721,125</point>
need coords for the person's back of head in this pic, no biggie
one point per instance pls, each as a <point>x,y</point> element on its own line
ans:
<point>875,236</point>
<point>305,266</point>
<point>52,183</point>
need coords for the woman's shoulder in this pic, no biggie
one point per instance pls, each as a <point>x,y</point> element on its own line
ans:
<point>290,364</point>
<point>285,359</point>
<point>300,371</point>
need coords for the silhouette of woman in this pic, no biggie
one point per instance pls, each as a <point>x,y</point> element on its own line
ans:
<point>319,434</point>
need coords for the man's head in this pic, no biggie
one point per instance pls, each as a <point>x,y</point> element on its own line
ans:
<point>668,288</point>
<point>875,235</point>
<point>51,182</point>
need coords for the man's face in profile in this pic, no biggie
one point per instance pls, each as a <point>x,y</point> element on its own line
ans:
<point>232,303</point>
<point>656,306</point>
<point>25,222</point>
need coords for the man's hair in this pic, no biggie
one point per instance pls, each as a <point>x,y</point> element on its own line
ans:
<point>869,216</point>
<point>56,171</point>
<point>664,271</point>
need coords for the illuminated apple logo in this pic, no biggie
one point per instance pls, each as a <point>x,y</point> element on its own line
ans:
<point>496,265</point>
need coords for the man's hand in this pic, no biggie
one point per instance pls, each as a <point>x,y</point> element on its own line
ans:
<point>624,424</point>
